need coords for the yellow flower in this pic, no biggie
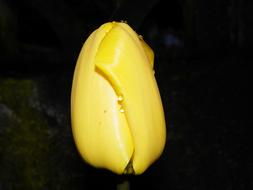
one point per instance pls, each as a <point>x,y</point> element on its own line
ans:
<point>117,115</point>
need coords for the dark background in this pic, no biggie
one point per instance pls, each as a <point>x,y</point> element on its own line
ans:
<point>202,63</point>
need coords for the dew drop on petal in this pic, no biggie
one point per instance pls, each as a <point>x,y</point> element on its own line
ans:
<point>121,110</point>
<point>124,21</point>
<point>120,98</point>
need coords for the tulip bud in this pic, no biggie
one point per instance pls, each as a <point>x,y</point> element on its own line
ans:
<point>116,110</point>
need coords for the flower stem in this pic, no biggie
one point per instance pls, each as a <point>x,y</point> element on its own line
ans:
<point>125,185</point>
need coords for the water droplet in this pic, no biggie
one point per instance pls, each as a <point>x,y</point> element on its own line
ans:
<point>153,71</point>
<point>122,110</point>
<point>124,21</point>
<point>140,37</point>
<point>120,98</point>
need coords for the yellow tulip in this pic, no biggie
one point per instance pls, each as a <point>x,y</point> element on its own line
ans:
<point>116,110</point>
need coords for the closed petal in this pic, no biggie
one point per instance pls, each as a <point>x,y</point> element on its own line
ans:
<point>123,61</point>
<point>100,130</point>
